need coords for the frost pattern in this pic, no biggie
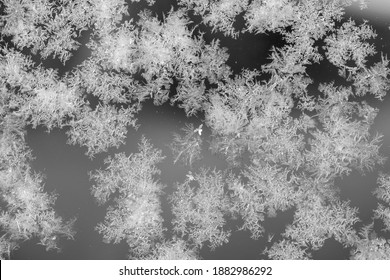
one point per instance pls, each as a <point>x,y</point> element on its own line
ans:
<point>134,214</point>
<point>220,15</point>
<point>315,221</point>
<point>348,44</point>
<point>268,189</point>
<point>187,148</point>
<point>370,246</point>
<point>383,194</point>
<point>287,250</point>
<point>101,128</point>
<point>291,144</point>
<point>176,249</point>
<point>199,207</point>
<point>26,210</point>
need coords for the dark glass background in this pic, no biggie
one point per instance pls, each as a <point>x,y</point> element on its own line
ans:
<point>66,167</point>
